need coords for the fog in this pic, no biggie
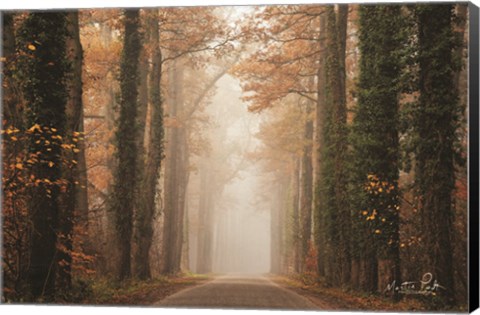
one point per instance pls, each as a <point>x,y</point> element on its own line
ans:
<point>240,218</point>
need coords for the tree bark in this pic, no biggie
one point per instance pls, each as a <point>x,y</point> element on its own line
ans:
<point>175,176</point>
<point>307,187</point>
<point>205,232</point>
<point>46,95</point>
<point>320,117</point>
<point>74,199</point>
<point>153,163</point>
<point>436,125</point>
<point>297,249</point>
<point>125,176</point>
<point>11,100</point>
<point>340,123</point>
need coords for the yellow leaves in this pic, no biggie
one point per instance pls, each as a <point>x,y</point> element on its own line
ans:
<point>374,214</point>
<point>375,186</point>
<point>364,212</point>
<point>31,47</point>
<point>51,164</point>
<point>378,232</point>
<point>34,128</point>
<point>10,131</point>
<point>76,150</point>
<point>19,166</point>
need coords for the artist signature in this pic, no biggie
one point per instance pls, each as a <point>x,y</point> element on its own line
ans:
<point>423,287</point>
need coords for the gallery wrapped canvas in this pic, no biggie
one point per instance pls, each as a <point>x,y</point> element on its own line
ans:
<point>315,156</point>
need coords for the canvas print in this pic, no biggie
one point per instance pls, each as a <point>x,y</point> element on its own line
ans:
<point>293,157</point>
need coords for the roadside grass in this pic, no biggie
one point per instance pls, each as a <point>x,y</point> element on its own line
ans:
<point>349,299</point>
<point>133,292</point>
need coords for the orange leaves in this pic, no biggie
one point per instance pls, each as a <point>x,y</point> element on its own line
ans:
<point>35,128</point>
<point>375,186</point>
<point>286,63</point>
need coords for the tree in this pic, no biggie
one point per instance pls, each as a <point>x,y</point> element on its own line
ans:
<point>153,160</point>
<point>333,205</point>
<point>204,33</point>
<point>43,69</point>
<point>74,198</point>
<point>435,122</point>
<point>281,69</point>
<point>375,140</point>
<point>122,199</point>
<point>100,34</point>
<point>320,121</point>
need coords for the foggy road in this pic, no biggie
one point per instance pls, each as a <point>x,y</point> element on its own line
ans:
<point>241,292</point>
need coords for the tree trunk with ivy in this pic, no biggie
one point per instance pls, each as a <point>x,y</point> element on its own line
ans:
<point>320,111</point>
<point>376,146</point>
<point>333,185</point>
<point>437,119</point>
<point>43,69</point>
<point>153,160</point>
<point>122,199</point>
<point>74,199</point>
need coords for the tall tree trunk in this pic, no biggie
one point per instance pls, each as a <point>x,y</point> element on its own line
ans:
<point>436,125</point>
<point>11,114</point>
<point>376,150</point>
<point>341,151</point>
<point>153,163</point>
<point>296,216</point>
<point>307,188</point>
<point>275,233</point>
<point>205,232</point>
<point>175,179</point>
<point>74,199</point>
<point>320,117</point>
<point>334,181</point>
<point>183,174</point>
<point>45,93</point>
<point>75,117</point>
<point>125,176</point>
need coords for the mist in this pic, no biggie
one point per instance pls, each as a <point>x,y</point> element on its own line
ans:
<point>240,220</point>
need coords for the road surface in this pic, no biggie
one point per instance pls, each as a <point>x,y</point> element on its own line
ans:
<point>239,292</point>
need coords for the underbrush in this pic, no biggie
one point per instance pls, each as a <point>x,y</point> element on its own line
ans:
<point>351,299</point>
